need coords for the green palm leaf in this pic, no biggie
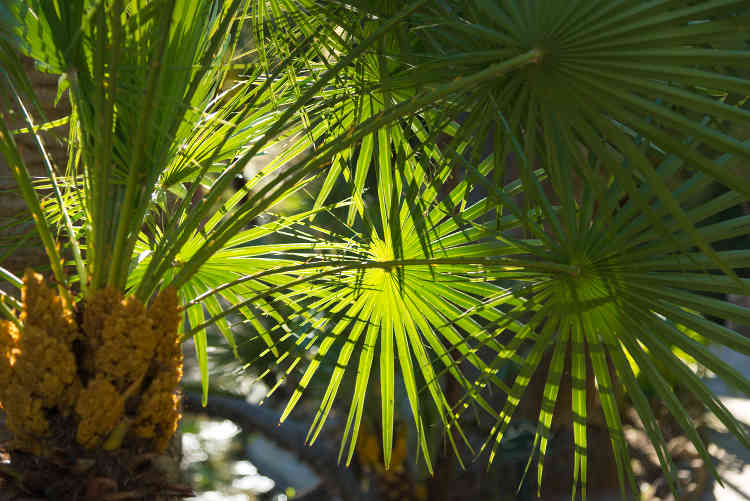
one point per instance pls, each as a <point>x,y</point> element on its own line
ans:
<point>520,179</point>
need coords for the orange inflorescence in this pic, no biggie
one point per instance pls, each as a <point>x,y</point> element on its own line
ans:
<point>44,366</point>
<point>37,365</point>
<point>25,414</point>
<point>165,316</point>
<point>9,334</point>
<point>100,407</point>
<point>99,305</point>
<point>128,345</point>
<point>158,413</point>
<point>124,356</point>
<point>45,309</point>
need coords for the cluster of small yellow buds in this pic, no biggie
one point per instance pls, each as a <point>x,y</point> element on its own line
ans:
<point>37,365</point>
<point>122,351</point>
<point>165,315</point>
<point>45,309</point>
<point>100,407</point>
<point>133,348</point>
<point>158,412</point>
<point>98,308</point>
<point>9,335</point>
<point>25,416</point>
<point>125,351</point>
<point>44,366</point>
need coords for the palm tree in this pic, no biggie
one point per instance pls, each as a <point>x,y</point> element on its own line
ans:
<point>536,173</point>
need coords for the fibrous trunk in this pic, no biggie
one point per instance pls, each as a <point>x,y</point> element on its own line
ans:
<point>89,394</point>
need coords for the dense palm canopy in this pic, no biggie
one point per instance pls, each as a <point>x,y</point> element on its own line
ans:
<point>496,181</point>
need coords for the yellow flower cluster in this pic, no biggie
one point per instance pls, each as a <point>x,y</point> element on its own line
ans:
<point>128,342</point>
<point>45,309</point>
<point>37,367</point>
<point>24,414</point>
<point>165,315</point>
<point>123,352</point>
<point>44,366</point>
<point>100,407</point>
<point>98,307</point>
<point>158,412</point>
<point>9,335</point>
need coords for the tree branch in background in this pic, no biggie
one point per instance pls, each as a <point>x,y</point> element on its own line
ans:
<point>321,456</point>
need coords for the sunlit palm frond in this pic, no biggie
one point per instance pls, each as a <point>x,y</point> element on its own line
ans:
<point>429,310</point>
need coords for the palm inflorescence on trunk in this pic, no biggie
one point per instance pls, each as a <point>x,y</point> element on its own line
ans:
<point>99,376</point>
<point>436,203</point>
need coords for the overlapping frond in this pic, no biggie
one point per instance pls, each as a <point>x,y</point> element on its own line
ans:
<point>633,80</point>
<point>409,306</point>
